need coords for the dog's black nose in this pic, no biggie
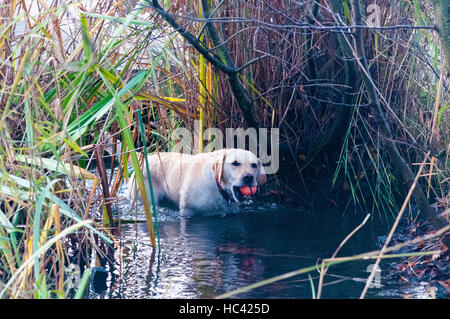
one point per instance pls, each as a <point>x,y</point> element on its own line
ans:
<point>248,179</point>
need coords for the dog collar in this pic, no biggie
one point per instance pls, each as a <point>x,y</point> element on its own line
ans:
<point>224,194</point>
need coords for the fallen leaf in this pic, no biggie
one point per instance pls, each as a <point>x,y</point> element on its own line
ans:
<point>445,284</point>
<point>420,273</point>
<point>404,279</point>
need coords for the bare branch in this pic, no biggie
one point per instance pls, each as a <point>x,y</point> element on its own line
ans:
<point>192,40</point>
<point>252,61</point>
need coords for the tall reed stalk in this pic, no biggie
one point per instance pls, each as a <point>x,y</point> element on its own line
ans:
<point>73,77</point>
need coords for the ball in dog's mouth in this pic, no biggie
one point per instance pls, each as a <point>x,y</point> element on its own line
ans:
<point>243,192</point>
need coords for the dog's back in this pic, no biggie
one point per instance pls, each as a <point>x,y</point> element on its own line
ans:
<point>167,171</point>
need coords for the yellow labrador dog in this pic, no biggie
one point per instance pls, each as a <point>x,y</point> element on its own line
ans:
<point>205,183</point>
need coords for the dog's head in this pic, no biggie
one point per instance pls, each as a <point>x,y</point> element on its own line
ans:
<point>236,168</point>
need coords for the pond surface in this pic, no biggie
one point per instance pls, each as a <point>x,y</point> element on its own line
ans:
<point>204,257</point>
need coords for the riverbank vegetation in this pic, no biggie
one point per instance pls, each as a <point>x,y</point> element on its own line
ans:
<point>359,93</point>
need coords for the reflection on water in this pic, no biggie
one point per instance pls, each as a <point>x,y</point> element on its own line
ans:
<point>204,257</point>
<point>207,256</point>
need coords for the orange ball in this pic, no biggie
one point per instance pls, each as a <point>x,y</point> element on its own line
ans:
<point>247,191</point>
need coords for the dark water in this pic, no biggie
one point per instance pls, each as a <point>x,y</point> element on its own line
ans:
<point>207,256</point>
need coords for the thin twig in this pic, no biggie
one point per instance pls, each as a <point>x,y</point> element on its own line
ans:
<point>252,61</point>
<point>324,270</point>
<point>306,26</point>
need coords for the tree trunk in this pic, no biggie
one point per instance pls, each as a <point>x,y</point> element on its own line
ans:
<point>242,96</point>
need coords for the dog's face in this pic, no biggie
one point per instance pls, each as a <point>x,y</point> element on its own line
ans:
<point>236,168</point>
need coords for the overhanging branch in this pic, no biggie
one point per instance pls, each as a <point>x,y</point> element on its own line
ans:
<point>222,61</point>
<point>192,40</point>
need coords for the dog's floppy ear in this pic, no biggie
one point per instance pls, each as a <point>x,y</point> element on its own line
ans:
<point>217,166</point>
<point>261,177</point>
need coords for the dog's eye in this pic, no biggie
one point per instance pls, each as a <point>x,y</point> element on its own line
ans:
<point>235,163</point>
<point>254,165</point>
